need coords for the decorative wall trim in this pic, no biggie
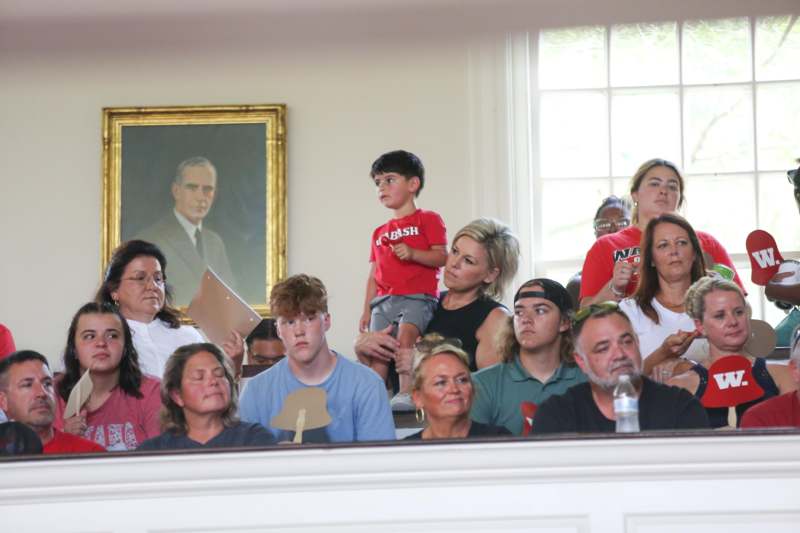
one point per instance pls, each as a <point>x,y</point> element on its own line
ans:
<point>604,484</point>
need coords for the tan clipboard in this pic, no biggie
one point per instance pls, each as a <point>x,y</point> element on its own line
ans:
<point>79,395</point>
<point>218,310</point>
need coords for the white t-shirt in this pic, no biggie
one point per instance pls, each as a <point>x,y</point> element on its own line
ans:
<point>156,341</point>
<point>652,335</point>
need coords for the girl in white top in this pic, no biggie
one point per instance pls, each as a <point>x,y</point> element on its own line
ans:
<point>672,260</point>
<point>135,281</point>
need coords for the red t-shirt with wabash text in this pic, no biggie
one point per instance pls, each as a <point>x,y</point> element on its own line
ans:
<point>420,230</point>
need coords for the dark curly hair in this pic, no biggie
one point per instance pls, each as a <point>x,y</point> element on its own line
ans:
<point>124,254</point>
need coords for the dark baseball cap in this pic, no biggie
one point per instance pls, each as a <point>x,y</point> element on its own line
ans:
<point>551,290</point>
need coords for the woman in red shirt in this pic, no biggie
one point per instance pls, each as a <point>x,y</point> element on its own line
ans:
<point>610,270</point>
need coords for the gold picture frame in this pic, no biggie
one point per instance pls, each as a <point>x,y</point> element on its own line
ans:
<point>245,148</point>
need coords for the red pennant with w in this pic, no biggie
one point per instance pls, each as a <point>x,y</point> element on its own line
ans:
<point>730,383</point>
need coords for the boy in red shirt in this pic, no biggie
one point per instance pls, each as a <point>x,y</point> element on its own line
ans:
<point>407,254</point>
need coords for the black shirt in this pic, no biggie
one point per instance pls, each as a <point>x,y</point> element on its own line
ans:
<point>660,407</point>
<point>476,429</point>
<point>240,434</point>
<point>463,323</point>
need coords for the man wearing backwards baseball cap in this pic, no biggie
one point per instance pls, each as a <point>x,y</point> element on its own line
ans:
<point>537,362</point>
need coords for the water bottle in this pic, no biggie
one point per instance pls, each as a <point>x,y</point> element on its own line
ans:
<point>626,406</point>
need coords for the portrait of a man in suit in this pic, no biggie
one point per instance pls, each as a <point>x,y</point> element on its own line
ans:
<point>200,192</point>
<point>188,245</point>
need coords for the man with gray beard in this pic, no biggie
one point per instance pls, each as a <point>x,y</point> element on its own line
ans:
<point>606,347</point>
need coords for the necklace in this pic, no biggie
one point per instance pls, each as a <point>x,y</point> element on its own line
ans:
<point>671,306</point>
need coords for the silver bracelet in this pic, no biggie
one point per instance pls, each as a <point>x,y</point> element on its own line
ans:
<point>614,290</point>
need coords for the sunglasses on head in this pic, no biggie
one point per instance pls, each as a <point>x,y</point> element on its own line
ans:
<point>591,310</point>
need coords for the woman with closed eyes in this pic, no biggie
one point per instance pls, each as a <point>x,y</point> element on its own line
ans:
<point>200,404</point>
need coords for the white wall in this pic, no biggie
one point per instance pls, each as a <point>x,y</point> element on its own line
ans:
<point>709,484</point>
<point>359,79</point>
<point>346,105</point>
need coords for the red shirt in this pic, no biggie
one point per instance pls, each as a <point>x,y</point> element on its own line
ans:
<point>420,230</point>
<point>780,411</point>
<point>6,342</point>
<point>598,268</point>
<point>67,443</point>
<point>123,422</point>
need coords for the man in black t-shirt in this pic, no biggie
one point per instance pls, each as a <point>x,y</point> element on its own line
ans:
<point>606,347</point>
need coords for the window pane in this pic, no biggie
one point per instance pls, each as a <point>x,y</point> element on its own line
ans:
<point>716,51</point>
<point>718,129</point>
<point>567,230</point>
<point>755,296</point>
<point>723,207</point>
<point>778,123</point>
<point>573,134</point>
<point>755,293</point>
<point>644,124</point>
<point>572,58</point>
<point>778,48</point>
<point>777,210</point>
<point>561,274</point>
<point>644,54</point>
<point>620,187</point>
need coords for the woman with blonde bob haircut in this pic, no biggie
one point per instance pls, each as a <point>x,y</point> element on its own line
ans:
<point>722,315</point>
<point>482,261</point>
<point>611,268</point>
<point>199,400</point>
<point>442,392</point>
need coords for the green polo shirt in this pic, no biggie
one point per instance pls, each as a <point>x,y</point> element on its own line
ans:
<point>500,390</point>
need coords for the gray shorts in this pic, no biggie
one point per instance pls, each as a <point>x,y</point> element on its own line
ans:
<point>414,309</point>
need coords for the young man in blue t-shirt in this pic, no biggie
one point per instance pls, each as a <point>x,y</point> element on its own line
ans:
<point>356,397</point>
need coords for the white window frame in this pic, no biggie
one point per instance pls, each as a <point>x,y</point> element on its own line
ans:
<point>520,101</point>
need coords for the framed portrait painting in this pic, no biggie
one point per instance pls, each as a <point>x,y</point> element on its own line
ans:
<point>207,185</point>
